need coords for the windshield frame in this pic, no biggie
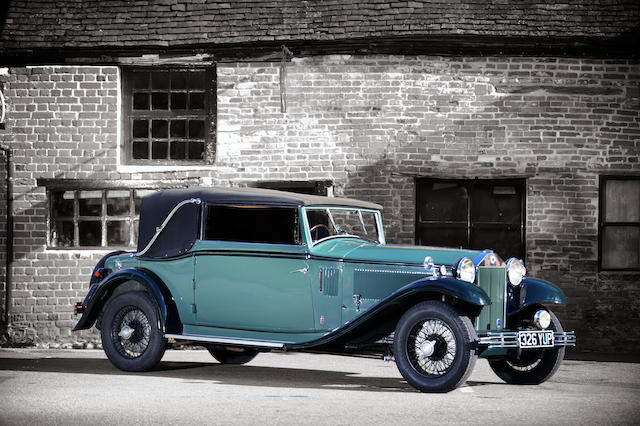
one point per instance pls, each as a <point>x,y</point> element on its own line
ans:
<point>307,232</point>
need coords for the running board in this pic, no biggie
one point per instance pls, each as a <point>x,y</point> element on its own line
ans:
<point>225,340</point>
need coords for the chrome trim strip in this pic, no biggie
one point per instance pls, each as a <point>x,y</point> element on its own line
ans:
<point>509,339</point>
<point>225,340</point>
<point>166,220</point>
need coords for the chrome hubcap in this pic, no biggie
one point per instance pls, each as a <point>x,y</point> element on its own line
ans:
<point>432,347</point>
<point>126,332</point>
<point>427,349</point>
<point>131,332</point>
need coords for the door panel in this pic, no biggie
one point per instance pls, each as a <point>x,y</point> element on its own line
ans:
<point>248,286</point>
<point>326,287</point>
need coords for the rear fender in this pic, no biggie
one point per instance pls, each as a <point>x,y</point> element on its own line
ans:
<point>168,317</point>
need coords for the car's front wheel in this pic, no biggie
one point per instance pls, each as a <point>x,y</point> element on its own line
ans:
<point>130,335</point>
<point>433,347</point>
<point>232,355</point>
<point>532,366</point>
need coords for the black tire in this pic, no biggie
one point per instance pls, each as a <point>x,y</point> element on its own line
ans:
<point>434,347</point>
<point>235,356</point>
<point>533,366</point>
<point>140,346</point>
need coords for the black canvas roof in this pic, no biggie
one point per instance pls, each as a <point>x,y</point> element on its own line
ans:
<point>182,231</point>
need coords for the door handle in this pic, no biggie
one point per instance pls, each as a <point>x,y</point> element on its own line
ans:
<point>303,270</point>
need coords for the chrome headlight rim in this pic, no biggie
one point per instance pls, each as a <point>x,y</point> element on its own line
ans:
<point>517,277</point>
<point>464,267</point>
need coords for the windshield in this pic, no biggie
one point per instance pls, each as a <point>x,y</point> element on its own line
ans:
<point>333,222</point>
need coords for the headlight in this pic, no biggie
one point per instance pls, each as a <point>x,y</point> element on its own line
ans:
<point>542,319</point>
<point>515,271</point>
<point>466,270</point>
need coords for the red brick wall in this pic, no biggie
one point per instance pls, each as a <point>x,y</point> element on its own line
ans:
<point>372,124</point>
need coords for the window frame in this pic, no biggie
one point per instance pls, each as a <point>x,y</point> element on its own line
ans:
<point>602,223</point>
<point>469,183</point>
<point>128,115</point>
<point>103,218</point>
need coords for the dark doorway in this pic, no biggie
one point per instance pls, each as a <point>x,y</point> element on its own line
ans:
<point>472,213</point>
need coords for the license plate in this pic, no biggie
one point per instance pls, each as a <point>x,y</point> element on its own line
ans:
<point>535,339</point>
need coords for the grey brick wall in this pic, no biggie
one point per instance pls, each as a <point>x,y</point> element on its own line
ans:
<point>372,124</point>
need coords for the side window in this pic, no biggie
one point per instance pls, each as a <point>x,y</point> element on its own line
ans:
<point>619,224</point>
<point>252,224</point>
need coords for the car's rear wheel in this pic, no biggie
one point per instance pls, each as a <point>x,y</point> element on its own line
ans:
<point>433,347</point>
<point>236,356</point>
<point>532,366</point>
<point>130,335</point>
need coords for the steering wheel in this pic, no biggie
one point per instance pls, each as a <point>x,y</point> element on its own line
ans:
<point>317,229</point>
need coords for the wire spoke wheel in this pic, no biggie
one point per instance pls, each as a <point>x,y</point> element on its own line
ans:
<point>131,331</point>
<point>432,347</point>
<point>130,335</point>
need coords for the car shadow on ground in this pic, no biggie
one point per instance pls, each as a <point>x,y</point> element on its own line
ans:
<point>240,375</point>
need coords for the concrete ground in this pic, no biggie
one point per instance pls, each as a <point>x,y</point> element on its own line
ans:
<point>82,387</point>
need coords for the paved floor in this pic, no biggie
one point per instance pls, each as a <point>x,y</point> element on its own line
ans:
<point>81,387</point>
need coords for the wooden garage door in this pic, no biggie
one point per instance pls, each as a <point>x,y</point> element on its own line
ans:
<point>474,213</point>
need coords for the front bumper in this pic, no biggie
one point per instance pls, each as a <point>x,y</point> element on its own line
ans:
<point>509,339</point>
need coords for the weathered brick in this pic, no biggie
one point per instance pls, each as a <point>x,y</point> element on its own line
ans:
<point>370,124</point>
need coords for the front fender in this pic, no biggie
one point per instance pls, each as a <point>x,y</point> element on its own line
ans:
<point>168,317</point>
<point>534,292</point>
<point>394,305</point>
<point>459,289</point>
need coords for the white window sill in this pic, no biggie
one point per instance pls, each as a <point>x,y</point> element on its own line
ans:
<point>162,168</point>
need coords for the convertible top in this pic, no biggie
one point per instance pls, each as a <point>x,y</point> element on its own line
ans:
<point>182,231</point>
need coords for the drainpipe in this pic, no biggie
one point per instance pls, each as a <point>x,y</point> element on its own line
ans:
<point>9,256</point>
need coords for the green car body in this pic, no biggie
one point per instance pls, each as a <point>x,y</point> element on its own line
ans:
<point>340,294</point>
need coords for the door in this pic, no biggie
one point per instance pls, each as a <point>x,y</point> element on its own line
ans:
<point>243,281</point>
<point>474,213</point>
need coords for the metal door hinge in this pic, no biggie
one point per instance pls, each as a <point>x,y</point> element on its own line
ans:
<point>194,310</point>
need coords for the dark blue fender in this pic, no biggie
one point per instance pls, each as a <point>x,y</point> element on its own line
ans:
<point>534,292</point>
<point>461,290</point>
<point>169,319</point>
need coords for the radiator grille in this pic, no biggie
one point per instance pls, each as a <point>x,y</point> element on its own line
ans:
<point>492,279</point>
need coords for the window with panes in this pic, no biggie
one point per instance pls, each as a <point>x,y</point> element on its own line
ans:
<point>472,213</point>
<point>94,218</point>
<point>619,223</point>
<point>168,115</point>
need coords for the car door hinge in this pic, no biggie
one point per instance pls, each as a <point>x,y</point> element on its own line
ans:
<point>194,310</point>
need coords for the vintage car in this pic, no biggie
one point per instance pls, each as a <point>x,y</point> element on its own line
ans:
<point>243,271</point>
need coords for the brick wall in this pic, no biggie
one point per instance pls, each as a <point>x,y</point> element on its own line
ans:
<point>372,124</point>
